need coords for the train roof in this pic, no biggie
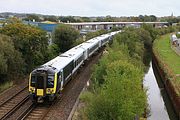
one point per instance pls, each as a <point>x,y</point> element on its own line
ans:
<point>62,60</point>
<point>73,52</point>
<point>58,63</point>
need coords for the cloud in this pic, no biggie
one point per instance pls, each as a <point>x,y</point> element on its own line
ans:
<point>93,7</point>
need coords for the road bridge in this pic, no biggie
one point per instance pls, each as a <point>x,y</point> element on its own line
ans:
<point>109,25</point>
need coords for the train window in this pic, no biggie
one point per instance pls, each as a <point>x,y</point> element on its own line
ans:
<point>33,81</point>
<point>93,48</point>
<point>67,70</point>
<point>50,82</point>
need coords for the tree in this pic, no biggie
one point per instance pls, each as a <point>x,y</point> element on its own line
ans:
<point>90,35</point>
<point>52,51</point>
<point>112,81</point>
<point>11,61</point>
<point>67,19</point>
<point>98,19</point>
<point>32,17</point>
<point>30,41</point>
<point>153,32</point>
<point>12,20</point>
<point>153,18</point>
<point>50,18</point>
<point>172,20</point>
<point>85,19</point>
<point>108,18</point>
<point>116,99</point>
<point>65,36</point>
<point>146,18</point>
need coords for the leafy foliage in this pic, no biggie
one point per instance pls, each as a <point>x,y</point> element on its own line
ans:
<point>30,41</point>
<point>117,100</point>
<point>146,18</point>
<point>116,90</point>
<point>94,34</point>
<point>31,17</point>
<point>51,18</point>
<point>67,19</point>
<point>65,37</point>
<point>52,51</point>
<point>11,61</point>
<point>178,35</point>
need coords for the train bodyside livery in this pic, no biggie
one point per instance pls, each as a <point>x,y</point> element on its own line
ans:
<point>46,81</point>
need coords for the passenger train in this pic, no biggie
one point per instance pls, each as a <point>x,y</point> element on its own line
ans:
<point>46,81</point>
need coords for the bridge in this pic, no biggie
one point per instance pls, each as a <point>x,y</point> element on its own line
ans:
<point>85,27</point>
<point>109,25</point>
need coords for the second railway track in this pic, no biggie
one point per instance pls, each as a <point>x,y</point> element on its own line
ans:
<point>8,107</point>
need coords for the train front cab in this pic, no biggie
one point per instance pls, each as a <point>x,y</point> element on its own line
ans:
<point>42,86</point>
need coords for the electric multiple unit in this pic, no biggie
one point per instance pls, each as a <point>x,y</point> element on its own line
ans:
<point>46,81</point>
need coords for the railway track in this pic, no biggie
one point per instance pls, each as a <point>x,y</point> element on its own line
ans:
<point>62,108</point>
<point>8,107</point>
<point>20,107</point>
<point>37,111</point>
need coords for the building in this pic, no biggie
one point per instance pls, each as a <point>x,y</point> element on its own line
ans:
<point>48,27</point>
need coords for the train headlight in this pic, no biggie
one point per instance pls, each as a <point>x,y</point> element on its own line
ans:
<point>32,89</point>
<point>51,91</point>
<point>48,90</point>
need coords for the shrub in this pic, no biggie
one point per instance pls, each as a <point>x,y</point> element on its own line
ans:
<point>121,96</point>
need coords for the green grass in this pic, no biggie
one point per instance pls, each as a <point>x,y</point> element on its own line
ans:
<point>163,47</point>
<point>5,86</point>
<point>169,60</point>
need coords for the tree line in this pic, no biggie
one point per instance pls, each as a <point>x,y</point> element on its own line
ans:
<point>108,18</point>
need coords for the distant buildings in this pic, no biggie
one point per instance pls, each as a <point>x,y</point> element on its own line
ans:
<point>49,27</point>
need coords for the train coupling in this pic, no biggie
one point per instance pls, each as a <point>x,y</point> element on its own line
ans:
<point>40,100</point>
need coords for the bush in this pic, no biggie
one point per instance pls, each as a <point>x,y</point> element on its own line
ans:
<point>99,70</point>
<point>117,78</point>
<point>121,96</point>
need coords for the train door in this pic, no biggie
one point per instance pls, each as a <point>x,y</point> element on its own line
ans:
<point>60,81</point>
<point>85,54</point>
<point>41,81</point>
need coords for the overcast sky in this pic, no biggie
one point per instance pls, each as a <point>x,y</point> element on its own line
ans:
<point>93,7</point>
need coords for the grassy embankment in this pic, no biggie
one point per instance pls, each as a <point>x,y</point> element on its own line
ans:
<point>169,60</point>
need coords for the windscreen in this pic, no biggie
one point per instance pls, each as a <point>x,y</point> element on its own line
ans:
<point>40,82</point>
<point>33,81</point>
<point>50,82</point>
